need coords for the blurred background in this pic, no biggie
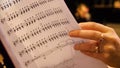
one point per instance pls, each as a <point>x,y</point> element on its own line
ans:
<point>106,12</point>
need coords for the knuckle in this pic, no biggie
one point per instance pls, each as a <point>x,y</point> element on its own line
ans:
<point>112,29</point>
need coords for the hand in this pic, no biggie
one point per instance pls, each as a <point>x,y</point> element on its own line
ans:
<point>109,45</point>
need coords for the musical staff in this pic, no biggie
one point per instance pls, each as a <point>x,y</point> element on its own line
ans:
<point>45,54</point>
<point>27,9</point>
<point>43,42</point>
<point>8,4</point>
<point>31,20</point>
<point>11,3</point>
<point>39,30</point>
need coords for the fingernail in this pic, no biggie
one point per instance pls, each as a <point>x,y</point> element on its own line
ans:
<point>77,47</point>
<point>71,33</point>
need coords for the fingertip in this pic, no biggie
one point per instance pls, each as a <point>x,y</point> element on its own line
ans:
<point>76,47</point>
<point>72,33</point>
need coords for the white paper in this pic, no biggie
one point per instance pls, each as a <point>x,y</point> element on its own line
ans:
<point>35,34</point>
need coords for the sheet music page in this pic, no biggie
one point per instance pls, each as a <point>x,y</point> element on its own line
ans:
<point>35,33</point>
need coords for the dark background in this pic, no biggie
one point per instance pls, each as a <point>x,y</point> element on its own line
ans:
<point>102,11</point>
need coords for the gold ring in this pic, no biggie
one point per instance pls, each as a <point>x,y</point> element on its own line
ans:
<point>96,49</point>
<point>99,48</point>
<point>102,35</point>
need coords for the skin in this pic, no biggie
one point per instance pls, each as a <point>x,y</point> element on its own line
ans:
<point>110,44</point>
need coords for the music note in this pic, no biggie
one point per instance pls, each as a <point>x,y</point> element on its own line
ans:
<point>9,4</point>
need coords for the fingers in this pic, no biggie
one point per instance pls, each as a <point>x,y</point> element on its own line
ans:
<point>87,34</point>
<point>89,49</point>
<point>95,26</point>
<point>88,46</point>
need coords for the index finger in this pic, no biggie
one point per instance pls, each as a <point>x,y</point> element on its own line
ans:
<point>95,26</point>
<point>86,34</point>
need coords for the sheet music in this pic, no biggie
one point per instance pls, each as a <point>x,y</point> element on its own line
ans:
<point>36,33</point>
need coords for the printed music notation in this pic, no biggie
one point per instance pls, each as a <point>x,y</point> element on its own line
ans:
<point>31,20</point>
<point>60,45</point>
<point>11,3</point>
<point>65,64</point>
<point>26,9</point>
<point>36,34</point>
<point>8,4</point>
<point>42,28</point>
<point>43,42</point>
